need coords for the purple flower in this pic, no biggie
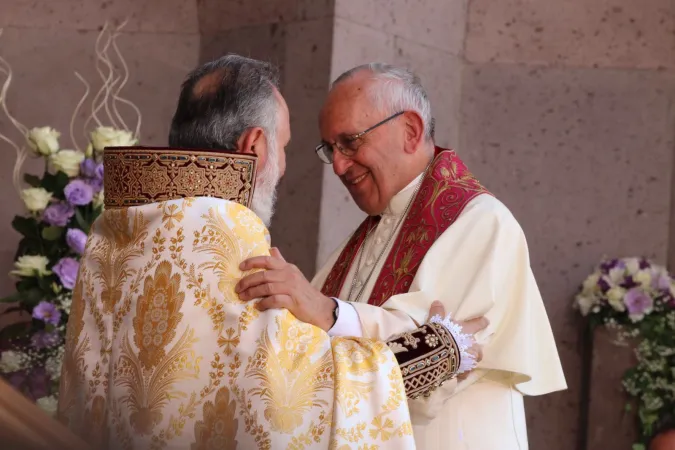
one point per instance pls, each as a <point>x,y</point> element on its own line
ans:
<point>638,303</point>
<point>88,168</point>
<point>76,240</point>
<point>66,269</point>
<point>43,339</point>
<point>79,193</point>
<point>58,214</point>
<point>661,283</point>
<point>96,184</point>
<point>47,312</point>
<point>644,264</point>
<point>99,171</point>
<point>603,285</point>
<point>606,266</point>
<point>629,283</point>
<point>34,382</point>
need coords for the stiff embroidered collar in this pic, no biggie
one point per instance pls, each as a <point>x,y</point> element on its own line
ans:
<point>399,202</point>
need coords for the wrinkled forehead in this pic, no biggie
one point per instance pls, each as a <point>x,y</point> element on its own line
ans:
<point>349,107</point>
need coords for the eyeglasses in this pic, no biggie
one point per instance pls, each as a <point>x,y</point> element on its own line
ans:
<point>346,144</point>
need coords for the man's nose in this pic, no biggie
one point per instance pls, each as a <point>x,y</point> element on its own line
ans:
<point>341,163</point>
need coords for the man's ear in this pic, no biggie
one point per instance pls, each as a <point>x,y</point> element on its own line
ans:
<point>414,131</point>
<point>253,141</point>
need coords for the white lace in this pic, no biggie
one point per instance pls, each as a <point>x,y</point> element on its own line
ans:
<point>463,341</point>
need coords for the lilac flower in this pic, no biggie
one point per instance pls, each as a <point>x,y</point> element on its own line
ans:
<point>603,285</point>
<point>76,240</point>
<point>638,303</point>
<point>43,339</point>
<point>88,168</point>
<point>58,214</point>
<point>79,193</point>
<point>629,283</point>
<point>96,184</point>
<point>99,171</point>
<point>661,283</point>
<point>47,312</point>
<point>66,269</point>
<point>33,382</point>
<point>644,264</point>
<point>606,266</point>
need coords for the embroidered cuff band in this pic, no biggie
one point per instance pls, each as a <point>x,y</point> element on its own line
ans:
<point>428,356</point>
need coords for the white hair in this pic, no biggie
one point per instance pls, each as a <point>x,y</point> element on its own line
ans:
<point>397,89</point>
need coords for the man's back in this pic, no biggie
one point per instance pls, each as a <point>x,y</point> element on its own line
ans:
<point>162,354</point>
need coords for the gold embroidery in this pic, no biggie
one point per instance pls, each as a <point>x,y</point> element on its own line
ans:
<point>138,176</point>
<point>219,427</point>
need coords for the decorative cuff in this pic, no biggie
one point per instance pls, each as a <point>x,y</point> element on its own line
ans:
<point>431,355</point>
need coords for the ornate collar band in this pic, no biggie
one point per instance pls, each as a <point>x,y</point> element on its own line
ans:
<point>136,176</point>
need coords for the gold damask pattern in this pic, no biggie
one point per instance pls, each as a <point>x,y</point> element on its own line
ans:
<point>141,175</point>
<point>428,356</point>
<point>161,353</point>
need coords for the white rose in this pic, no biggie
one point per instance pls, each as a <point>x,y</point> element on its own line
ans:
<point>615,298</point>
<point>644,278</point>
<point>43,140</point>
<point>632,265</point>
<point>103,137</point>
<point>68,162</point>
<point>616,275</point>
<point>591,283</point>
<point>12,361</point>
<point>30,266</point>
<point>48,404</point>
<point>585,304</point>
<point>36,199</point>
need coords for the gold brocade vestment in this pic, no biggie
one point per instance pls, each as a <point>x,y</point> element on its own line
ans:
<point>161,353</point>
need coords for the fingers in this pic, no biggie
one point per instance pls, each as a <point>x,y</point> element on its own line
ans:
<point>274,252</point>
<point>273,302</point>
<point>473,326</point>
<point>437,308</point>
<point>256,279</point>
<point>263,290</point>
<point>263,262</point>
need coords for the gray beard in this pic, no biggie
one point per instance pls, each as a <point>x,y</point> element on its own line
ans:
<point>265,192</point>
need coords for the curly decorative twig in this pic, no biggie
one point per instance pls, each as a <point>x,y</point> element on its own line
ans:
<point>21,151</point>
<point>77,110</point>
<point>116,96</point>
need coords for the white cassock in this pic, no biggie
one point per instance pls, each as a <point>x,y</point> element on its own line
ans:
<point>479,266</point>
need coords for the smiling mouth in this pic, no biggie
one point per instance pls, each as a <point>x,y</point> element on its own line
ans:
<point>357,180</point>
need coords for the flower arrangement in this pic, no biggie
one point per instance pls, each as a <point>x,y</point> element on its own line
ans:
<point>61,206</point>
<point>637,298</point>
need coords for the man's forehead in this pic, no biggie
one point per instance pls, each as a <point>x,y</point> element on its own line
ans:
<point>349,102</point>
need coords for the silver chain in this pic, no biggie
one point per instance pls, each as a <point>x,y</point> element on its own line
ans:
<point>384,249</point>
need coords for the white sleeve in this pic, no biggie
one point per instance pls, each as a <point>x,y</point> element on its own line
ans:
<point>347,323</point>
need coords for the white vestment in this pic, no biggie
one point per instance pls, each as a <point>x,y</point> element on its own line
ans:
<point>479,266</point>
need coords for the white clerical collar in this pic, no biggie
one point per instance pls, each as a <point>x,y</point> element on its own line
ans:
<point>400,201</point>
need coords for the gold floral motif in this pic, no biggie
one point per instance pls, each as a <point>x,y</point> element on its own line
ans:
<point>150,390</point>
<point>288,394</point>
<point>359,359</point>
<point>158,314</point>
<point>218,428</point>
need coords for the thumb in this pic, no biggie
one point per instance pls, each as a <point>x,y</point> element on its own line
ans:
<point>274,252</point>
<point>437,308</point>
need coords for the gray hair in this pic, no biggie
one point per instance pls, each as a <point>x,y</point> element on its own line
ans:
<point>222,99</point>
<point>398,89</point>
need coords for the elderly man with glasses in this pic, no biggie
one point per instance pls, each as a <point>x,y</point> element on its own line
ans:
<point>433,232</point>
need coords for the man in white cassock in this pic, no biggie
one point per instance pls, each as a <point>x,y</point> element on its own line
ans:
<point>433,232</point>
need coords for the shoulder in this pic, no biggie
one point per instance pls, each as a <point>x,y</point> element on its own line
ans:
<point>488,213</point>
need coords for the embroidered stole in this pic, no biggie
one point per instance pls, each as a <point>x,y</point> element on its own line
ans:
<point>445,191</point>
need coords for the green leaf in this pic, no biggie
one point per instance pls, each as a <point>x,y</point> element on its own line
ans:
<point>27,226</point>
<point>52,233</point>
<point>81,221</point>
<point>32,180</point>
<point>55,183</point>
<point>639,447</point>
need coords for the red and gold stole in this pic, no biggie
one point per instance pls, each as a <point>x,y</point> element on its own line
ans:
<point>446,189</point>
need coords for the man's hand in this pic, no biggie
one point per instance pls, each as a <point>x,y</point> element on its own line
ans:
<point>470,327</point>
<point>282,285</point>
